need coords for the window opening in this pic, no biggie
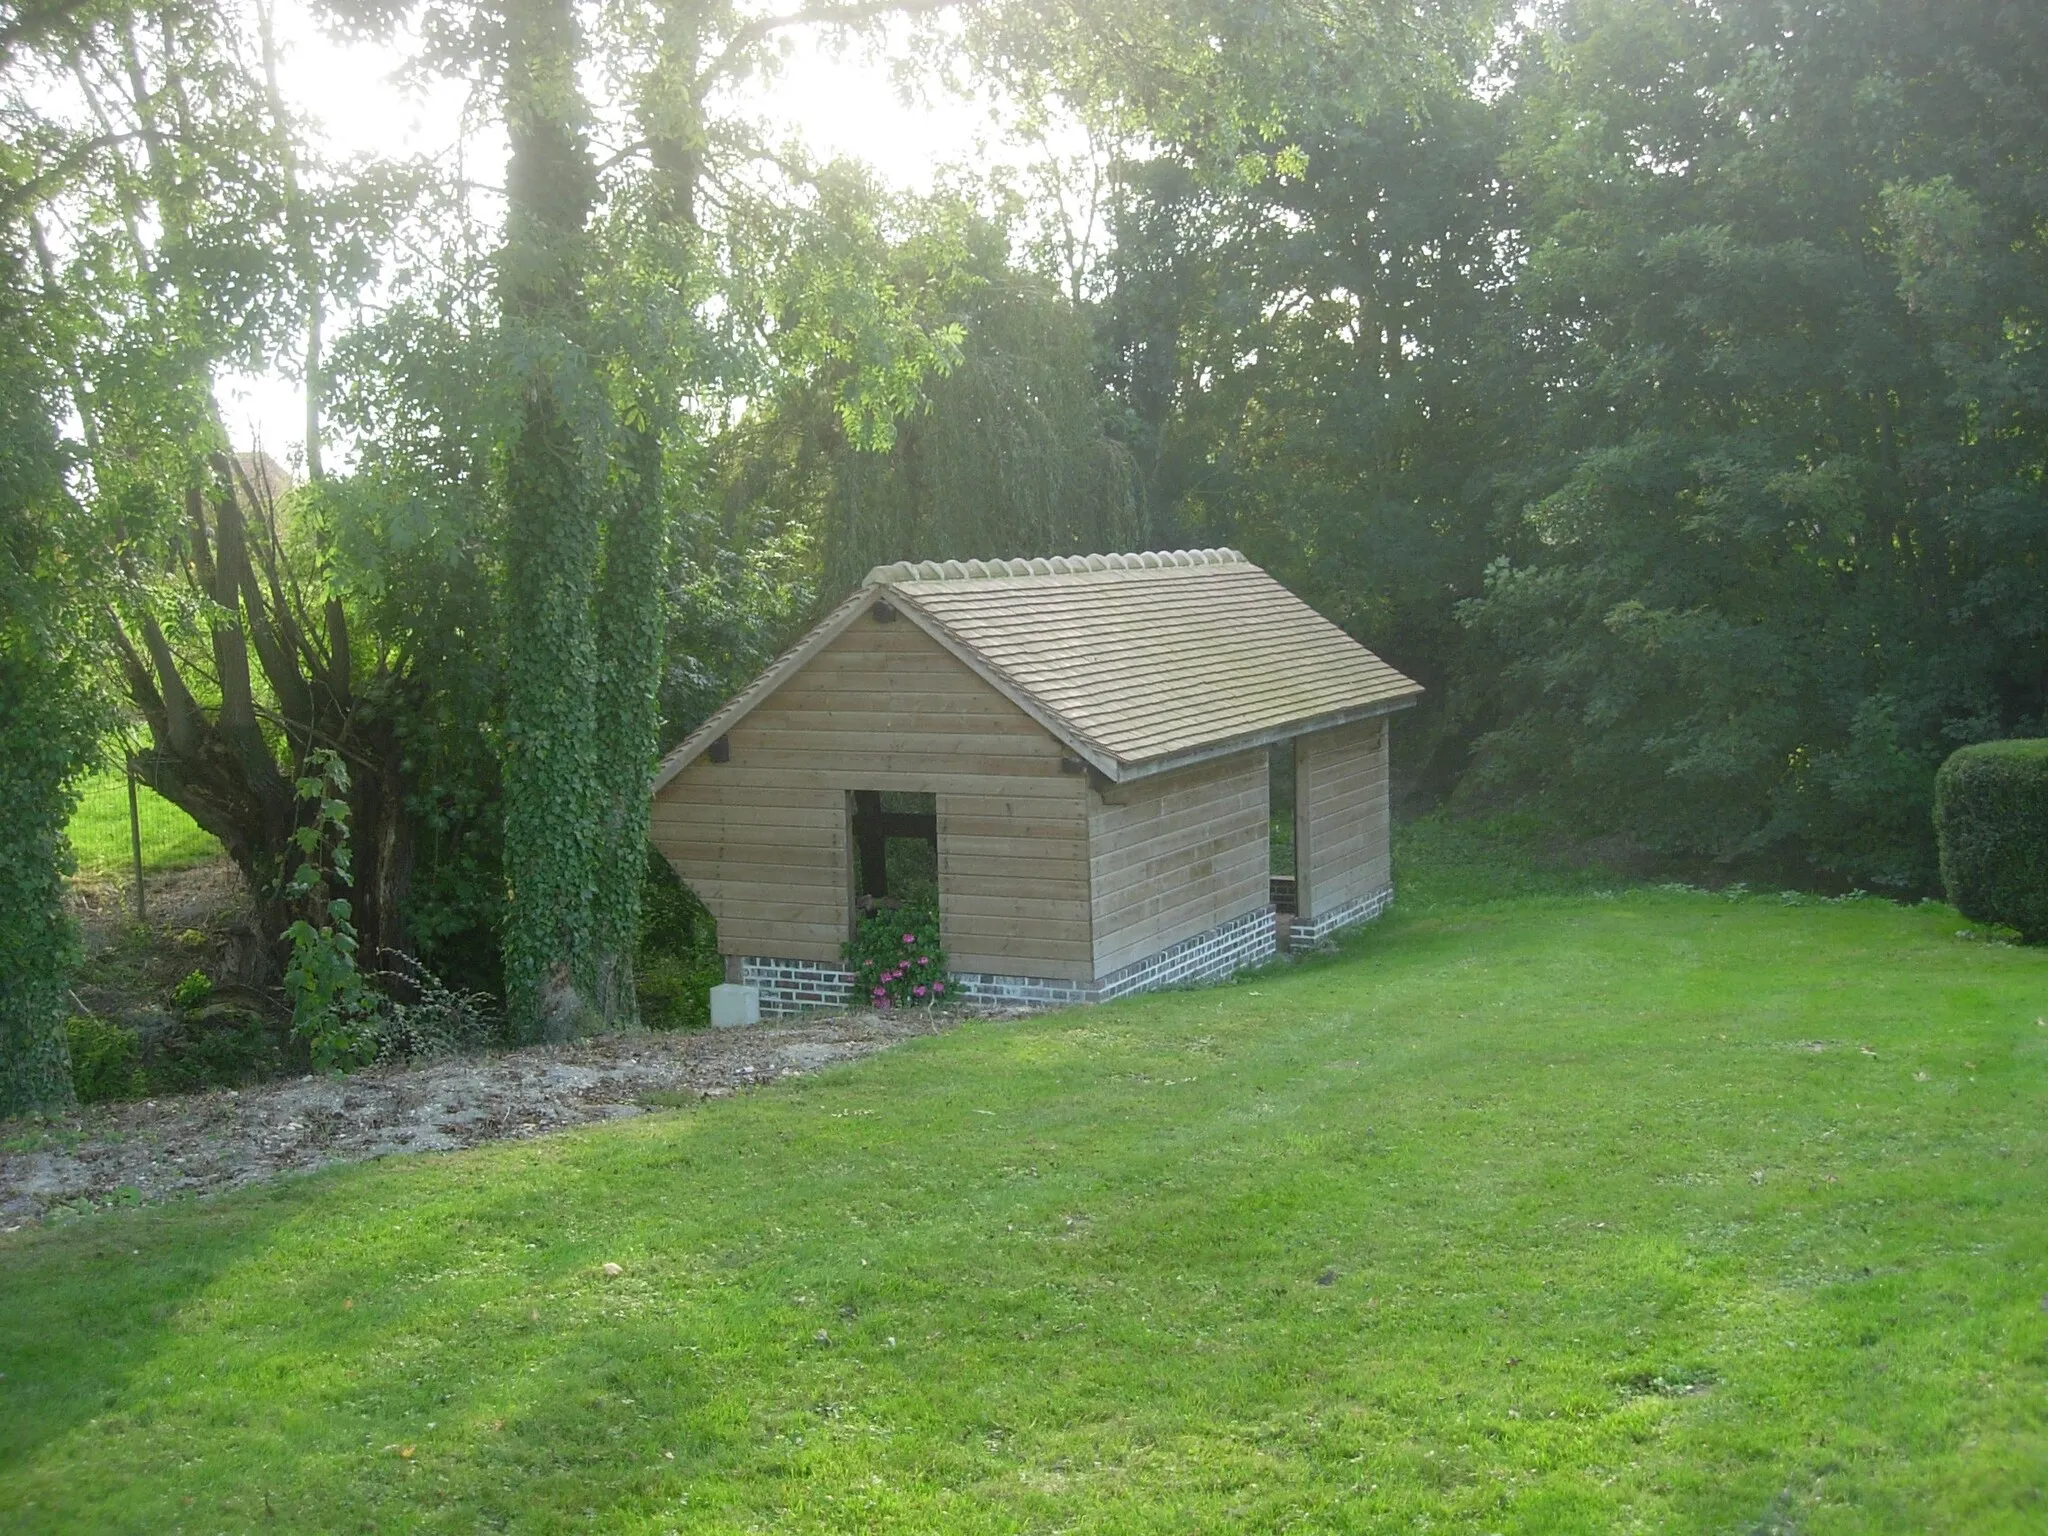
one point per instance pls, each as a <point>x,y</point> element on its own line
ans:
<point>1280,809</point>
<point>896,849</point>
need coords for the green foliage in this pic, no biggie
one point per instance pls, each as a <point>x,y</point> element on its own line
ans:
<point>331,1007</point>
<point>224,1044</point>
<point>1445,862</point>
<point>1664,410</point>
<point>194,990</point>
<point>106,1060</point>
<point>1769,574</point>
<point>1991,817</point>
<point>416,535</point>
<point>896,958</point>
<point>677,962</point>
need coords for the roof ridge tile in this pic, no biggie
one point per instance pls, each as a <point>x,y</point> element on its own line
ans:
<point>903,571</point>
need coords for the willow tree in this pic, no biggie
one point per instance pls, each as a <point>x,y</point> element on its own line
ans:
<point>1007,452</point>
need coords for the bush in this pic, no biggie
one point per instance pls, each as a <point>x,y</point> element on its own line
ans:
<point>896,959</point>
<point>106,1061</point>
<point>219,1045</point>
<point>193,991</point>
<point>1991,819</point>
<point>439,1021</point>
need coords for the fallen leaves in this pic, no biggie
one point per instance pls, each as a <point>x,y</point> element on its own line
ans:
<point>613,1271</point>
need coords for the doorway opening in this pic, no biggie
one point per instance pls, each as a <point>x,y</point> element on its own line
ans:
<point>895,850</point>
<point>1281,843</point>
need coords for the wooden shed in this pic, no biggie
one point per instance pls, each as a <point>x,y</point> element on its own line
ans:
<point>1089,741</point>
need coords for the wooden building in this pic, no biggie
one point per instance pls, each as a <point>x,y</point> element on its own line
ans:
<point>1094,735</point>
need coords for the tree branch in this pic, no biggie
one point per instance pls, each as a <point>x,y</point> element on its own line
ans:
<point>274,652</point>
<point>182,720</point>
<point>852,14</point>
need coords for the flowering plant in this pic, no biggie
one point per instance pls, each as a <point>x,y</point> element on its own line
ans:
<point>896,960</point>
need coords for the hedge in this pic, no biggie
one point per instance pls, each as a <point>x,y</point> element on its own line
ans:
<point>1991,818</point>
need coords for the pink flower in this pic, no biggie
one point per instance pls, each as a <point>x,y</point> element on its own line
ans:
<point>910,938</point>
<point>917,991</point>
<point>882,1001</point>
<point>881,992</point>
<point>938,986</point>
<point>924,959</point>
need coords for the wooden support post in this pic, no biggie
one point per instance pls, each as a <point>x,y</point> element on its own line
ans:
<point>871,838</point>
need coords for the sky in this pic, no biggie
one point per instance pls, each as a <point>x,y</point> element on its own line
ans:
<point>838,102</point>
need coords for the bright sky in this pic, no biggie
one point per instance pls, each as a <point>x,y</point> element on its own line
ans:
<point>837,102</point>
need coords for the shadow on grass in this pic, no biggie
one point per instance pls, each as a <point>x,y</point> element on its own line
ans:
<point>88,1304</point>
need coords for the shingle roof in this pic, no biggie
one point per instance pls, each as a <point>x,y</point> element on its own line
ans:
<point>1138,662</point>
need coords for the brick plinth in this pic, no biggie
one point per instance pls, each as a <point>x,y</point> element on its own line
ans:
<point>792,986</point>
<point>1308,932</point>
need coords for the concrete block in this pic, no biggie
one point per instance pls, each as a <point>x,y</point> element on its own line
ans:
<point>732,1004</point>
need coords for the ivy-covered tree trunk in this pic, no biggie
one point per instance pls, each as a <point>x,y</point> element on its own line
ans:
<point>46,730</point>
<point>39,753</point>
<point>630,623</point>
<point>552,485</point>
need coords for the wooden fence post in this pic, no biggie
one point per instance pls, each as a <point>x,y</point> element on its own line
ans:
<point>135,842</point>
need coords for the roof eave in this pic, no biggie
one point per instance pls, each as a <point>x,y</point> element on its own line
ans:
<point>1250,741</point>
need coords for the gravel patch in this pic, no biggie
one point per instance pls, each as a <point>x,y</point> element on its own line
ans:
<point>159,1149</point>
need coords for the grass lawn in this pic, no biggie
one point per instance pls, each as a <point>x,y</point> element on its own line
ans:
<point>1570,1212</point>
<point>100,835</point>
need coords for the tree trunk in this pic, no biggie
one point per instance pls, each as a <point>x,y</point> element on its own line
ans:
<point>552,489</point>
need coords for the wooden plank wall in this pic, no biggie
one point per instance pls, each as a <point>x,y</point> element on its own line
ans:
<point>1341,830</point>
<point>763,838</point>
<point>1175,856</point>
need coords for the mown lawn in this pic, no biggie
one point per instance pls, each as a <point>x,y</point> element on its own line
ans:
<point>1656,1211</point>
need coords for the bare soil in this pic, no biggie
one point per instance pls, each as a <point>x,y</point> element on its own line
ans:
<point>158,1149</point>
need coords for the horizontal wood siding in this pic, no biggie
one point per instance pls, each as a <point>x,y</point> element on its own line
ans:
<point>1342,848</point>
<point>763,839</point>
<point>1176,855</point>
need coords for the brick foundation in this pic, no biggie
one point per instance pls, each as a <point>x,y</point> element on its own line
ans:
<point>1308,932</point>
<point>792,986</point>
<point>1210,956</point>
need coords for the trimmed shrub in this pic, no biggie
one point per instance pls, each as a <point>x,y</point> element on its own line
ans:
<point>1991,818</point>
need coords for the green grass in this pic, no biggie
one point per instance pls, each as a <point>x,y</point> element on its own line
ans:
<point>100,834</point>
<point>1565,1212</point>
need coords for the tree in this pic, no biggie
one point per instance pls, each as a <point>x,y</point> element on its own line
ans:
<point>1326,367</point>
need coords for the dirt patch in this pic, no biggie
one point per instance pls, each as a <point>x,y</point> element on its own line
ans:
<point>199,919</point>
<point>196,1144</point>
